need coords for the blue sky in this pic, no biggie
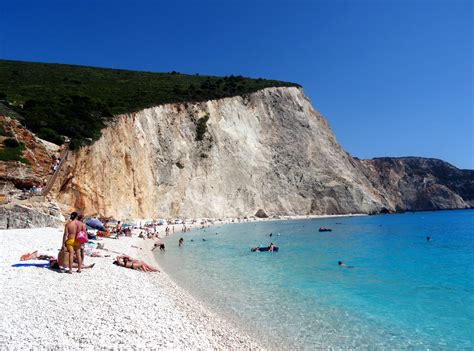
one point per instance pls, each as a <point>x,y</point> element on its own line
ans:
<point>393,78</point>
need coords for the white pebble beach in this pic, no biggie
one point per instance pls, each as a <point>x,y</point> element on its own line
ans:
<point>104,307</point>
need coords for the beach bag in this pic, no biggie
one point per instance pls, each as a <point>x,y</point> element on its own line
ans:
<point>81,236</point>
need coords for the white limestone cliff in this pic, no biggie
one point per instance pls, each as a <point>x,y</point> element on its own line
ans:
<point>269,150</point>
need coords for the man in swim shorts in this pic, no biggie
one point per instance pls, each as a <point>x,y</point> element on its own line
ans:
<point>70,243</point>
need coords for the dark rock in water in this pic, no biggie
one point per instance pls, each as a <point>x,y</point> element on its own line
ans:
<point>261,214</point>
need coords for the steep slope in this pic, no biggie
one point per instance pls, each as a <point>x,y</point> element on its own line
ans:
<point>54,100</point>
<point>268,150</point>
<point>37,155</point>
<point>415,183</point>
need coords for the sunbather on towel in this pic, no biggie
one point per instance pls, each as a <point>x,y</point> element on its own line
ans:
<point>36,255</point>
<point>56,264</point>
<point>63,260</point>
<point>128,262</point>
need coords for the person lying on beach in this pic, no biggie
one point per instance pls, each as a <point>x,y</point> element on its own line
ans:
<point>36,256</point>
<point>55,264</point>
<point>63,259</point>
<point>128,262</point>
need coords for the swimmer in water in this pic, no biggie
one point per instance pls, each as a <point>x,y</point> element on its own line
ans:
<point>428,238</point>
<point>342,264</point>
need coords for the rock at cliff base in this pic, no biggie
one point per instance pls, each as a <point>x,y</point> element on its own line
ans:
<point>261,214</point>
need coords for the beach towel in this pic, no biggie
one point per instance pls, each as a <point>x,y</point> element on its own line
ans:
<point>32,263</point>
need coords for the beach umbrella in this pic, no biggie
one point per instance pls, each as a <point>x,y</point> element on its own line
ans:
<point>95,224</point>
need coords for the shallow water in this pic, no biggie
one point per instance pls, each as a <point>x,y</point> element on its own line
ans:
<point>404,292</point>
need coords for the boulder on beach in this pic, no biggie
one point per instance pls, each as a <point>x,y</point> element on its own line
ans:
<point>261,214</point>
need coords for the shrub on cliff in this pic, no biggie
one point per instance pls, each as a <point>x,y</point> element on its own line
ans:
<point>50,135</point>
<point>201,127</point>
<point>11,143</point>
<point>12,151</point>
<point>77,101</point>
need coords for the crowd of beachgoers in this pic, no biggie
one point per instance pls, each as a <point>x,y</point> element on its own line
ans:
<point>120,299</point>
<point>82,238</point>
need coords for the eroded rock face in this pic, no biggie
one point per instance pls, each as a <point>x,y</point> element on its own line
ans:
<point>39,154</point>
<point>415,183</point>
<point>39,216</point>
<point>270,150</point>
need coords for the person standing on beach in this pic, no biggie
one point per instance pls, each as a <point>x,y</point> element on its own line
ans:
<point>82,227</point>
<point>70,243</point>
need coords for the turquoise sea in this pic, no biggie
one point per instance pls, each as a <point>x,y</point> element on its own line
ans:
<point>404,292</point>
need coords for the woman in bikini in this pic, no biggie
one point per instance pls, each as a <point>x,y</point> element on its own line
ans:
<point>128,262</point>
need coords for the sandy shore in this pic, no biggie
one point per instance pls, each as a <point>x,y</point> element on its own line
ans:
<point>104,307</point>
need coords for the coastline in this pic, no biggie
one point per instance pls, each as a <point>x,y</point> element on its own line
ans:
<point>107,306</point>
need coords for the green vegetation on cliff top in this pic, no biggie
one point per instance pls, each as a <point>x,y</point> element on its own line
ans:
<point>76,101</point>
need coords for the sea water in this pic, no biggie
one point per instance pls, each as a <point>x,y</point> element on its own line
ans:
<point>404,291</point>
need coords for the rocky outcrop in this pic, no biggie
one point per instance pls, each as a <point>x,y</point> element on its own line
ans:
<point>269,150</point>
<point>39,216</point>
<point>20,209</point>
<point>261,214</point>
<point>39,156</point>
<point>415,183</point>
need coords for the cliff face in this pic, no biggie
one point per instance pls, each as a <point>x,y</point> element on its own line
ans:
<point>414,183</point>
<point>231,157</point>
<point>38,153</point>
<point>270,150</point>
